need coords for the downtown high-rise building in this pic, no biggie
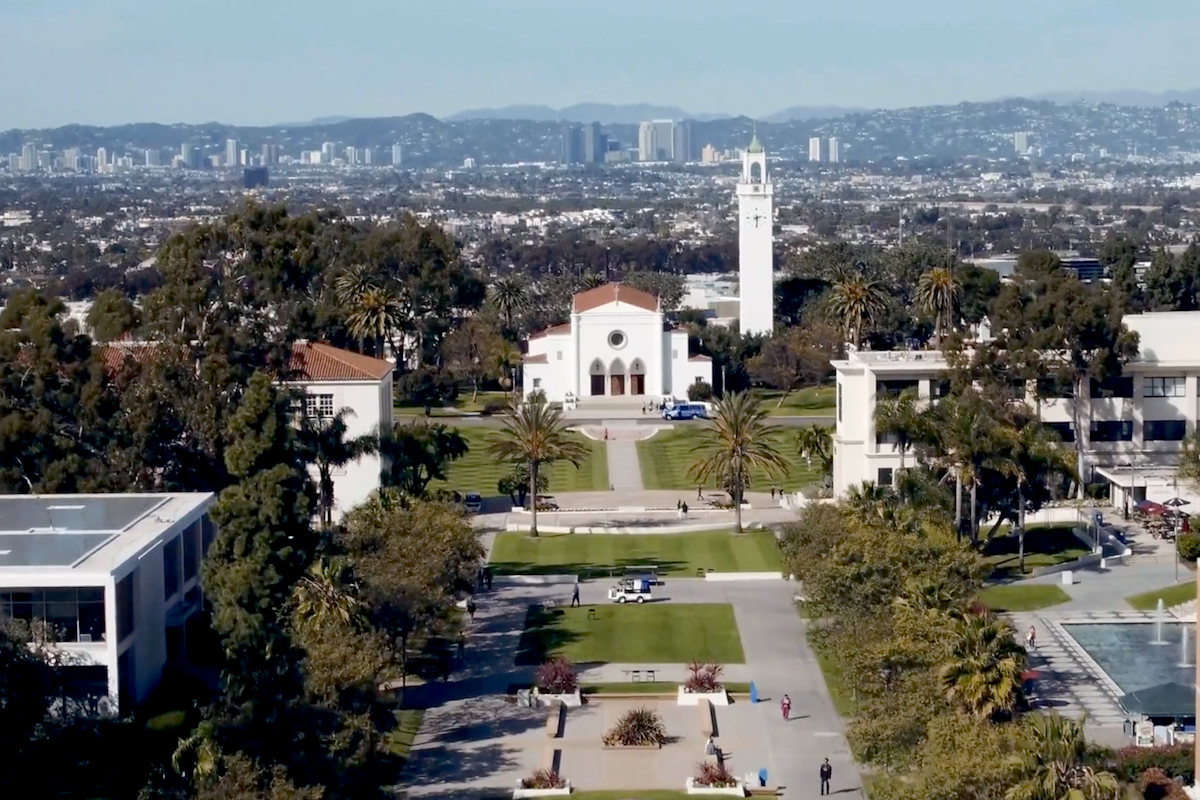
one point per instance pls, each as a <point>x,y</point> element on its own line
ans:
<point>187,154</point>
<point>232,152</point>
<point>814,148</point>
<point>102,164</point>
<point>682,148</point>
<point>397,155</point>
<point>1021,142</point>
<point>834,155</point>
<point>570,145</point>
<point>595,144</point>
<point>29,158</point>
<point>153,157</point>
<point>656,140</point>
<point>351,156</point>
<point>368,156</point>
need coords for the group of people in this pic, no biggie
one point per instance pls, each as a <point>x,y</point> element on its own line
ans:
<point>825,773</point>
<point>652,407</point>
<point>681,509</point>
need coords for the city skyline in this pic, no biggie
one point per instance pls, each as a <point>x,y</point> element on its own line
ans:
<point>862,54</point>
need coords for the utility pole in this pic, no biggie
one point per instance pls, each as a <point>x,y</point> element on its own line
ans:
<point>901,225</point>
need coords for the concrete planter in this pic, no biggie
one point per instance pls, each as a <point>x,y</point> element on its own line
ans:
<point>632,747</point>
<point>720,698</point>
<point>572,700</point>
<point>733,791</point>
<point>518,793</point>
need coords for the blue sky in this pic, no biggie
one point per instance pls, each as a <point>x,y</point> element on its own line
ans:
<point>265,61</point>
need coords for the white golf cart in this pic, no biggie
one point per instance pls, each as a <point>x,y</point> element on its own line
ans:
<point>635,589</point>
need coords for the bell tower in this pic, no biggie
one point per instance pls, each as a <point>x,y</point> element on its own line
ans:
<point>756,269</point>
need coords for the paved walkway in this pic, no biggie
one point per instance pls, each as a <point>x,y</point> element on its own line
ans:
<point>624,469</point>
<point>472,740</point>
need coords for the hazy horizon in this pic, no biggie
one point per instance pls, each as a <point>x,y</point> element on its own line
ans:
<point>125,61</point>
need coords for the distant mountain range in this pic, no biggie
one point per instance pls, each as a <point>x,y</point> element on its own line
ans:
<point>631,114</point>
<point>1126,97</point>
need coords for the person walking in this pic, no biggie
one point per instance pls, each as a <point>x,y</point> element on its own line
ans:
<point>1030,638</point>
<point>772,491</point>
<point>462,646</point>
<point>785,706</point>
<point>826,776</point>
<point>471,609</point>
<point>679,511</point>
<point>699,493</point>
<point>575,594</point>
<point>683,509</point>
<point>487,577</point>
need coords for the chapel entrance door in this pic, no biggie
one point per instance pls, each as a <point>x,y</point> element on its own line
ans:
<point>617,385</point>
<point>597,386</point>
<point>637,384</point>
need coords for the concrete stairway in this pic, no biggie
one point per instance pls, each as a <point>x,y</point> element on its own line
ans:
<point>624,470</point>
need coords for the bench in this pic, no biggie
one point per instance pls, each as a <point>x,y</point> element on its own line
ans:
<point>554,719</point>
<point>707,725</point>
<point>762,791</point>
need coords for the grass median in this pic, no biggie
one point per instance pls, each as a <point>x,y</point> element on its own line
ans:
<point>1170,595</point>
<point>479,471</point>
<point>667,457</point>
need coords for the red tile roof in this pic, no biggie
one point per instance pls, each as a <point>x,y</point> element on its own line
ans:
<point>614,293</point>
<point>553,330</point>
<point>700,358</point>
<point>322,363</point>
<point>540,358</point>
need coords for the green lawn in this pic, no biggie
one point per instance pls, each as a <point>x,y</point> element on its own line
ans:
<point>646,687</point>
<point>398,741</point>
<point>1044,546</point>
<point>1022,597</point>
<point>667,457</point>
<point>661,632</point>
<point>454,408</point>
<point>1171,595</point>
<point>814,401</point>
<point>601,554</point>
<point>478,471</point>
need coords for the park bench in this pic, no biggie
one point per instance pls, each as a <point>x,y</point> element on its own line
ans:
<point>762,791</point>
<point>554,719</point>
<point>708,726</point>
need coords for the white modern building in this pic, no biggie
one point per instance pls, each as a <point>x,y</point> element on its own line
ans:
<point>814,148</point>
<point>616,348</point>
<point>756,242</point>
<point>1132,425</point>
<point>117,576</point>
<point>834,152</point>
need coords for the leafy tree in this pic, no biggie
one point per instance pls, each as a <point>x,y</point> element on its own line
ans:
<point>899,418</point>
<point>738,440</point>
<point>983,673</point>
<point>815,443</point>
<point>324,443</point>
<point>469,352</point>
<point>938,295</point>
<point>509,297</point>
<point>375,314</point>
<point>856,302</point>
<point>795,358</point>
<point>425,387</point>
<point>536,434</point>
<point>24,698</point>
<point>668,288</point>
<point>112,316</point>
<point>516,483</point>
<point>417,453</point>
<point>1053,764</point>
<point>700,392</point>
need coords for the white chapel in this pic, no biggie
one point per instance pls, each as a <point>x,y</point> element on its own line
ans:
<point>617,347</point>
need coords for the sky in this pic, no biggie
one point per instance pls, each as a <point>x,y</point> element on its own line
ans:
<point>251,62</point>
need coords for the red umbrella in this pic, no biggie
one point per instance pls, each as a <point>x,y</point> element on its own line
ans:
<point>1150,507</point>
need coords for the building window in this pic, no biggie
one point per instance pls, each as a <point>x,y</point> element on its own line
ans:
<point>886,438</point>
<point>125,619</point>
<point>318,406</point>
<point>616,340</point>
<point>839,402</point>
<point>171,568</point>
<point>939,389</point>
<point>1112,431</point>
<point>895,388</point>
<point>191,551</point>
<point>1163,387</point>
<point>1063,429</point>
<point>74,614</point>
<point>537,383</point>
<point>1168,430</point>
<point>1052,388</point>
<point>1121,386</point>
<point>885,477</point>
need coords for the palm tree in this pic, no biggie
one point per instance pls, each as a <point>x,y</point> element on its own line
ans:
<point>738,441</point>
<point>535,434</point>
<point>374,313</point>
<point>937,293</point>
<point>590,280</point>
<point>898,417</point>
<point>323,443</point>
<point>352,282</point>
<point>1053,767</point>
<point>509,297</point>
<point>815,443</point>
<point>857,301</point>
<point>505,358</point>
<point>983,674</point>
<point>322,594</point>
<point>1033,451</point>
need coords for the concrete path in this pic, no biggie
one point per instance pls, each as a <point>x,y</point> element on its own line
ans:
<point>624,469</point>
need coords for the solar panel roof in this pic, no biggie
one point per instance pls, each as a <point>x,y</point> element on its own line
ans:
<point>73,513</point>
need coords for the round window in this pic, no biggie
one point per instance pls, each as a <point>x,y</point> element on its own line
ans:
<point>616,340</point>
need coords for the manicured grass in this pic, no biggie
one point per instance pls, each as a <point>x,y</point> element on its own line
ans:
<point>1022,597</point>
<point>398,741</point>
<point>478,471</point>
<point>654,633</point>
<point>812,401</point>
<point>628,687</point>
<point>843,700</point>
<point>667,457</point>
<point>1171,596</point>
<point>601,554</point>
<point>1044,546</point>
<point>454,408</point>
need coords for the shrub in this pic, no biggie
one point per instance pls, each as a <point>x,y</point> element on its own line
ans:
<point>1189,546</point>
<point>703,678</point>
<point>1128,763</point>
<point>700,392</point>
<point>714,775</point>
<point>1154,784</point>
<point>492,407</point>
<point>557,676</point>
<point>543,779</point>
<point>637,727</point>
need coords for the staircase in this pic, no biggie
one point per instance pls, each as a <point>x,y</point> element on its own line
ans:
<point>624,470</point>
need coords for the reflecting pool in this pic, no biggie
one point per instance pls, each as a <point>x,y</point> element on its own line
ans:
<point>1125,651</point>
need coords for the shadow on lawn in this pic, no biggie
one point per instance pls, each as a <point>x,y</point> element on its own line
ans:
<point>591,570</point>
<point>1043,546</point>
<point>542,635</point>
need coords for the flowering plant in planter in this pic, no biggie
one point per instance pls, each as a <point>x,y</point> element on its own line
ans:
<point>713,775</point>
<point>556,676</point>
<point>638,727</point>
<point>543,779</point>
<point>703,678</point>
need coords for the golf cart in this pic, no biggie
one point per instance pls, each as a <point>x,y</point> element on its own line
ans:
<point>635,589</point>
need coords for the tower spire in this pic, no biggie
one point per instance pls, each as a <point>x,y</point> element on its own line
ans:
<point>755,145</point>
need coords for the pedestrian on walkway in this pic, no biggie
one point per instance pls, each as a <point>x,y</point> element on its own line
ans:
<point>699,493</point>
<point>487,577</point>
<point>679,511</point>
<point>826,776</point>
<point>462,645</point>
<point>678,504</point>
<point>1030,638</point>
<point>772,491</point>
<point>683,509</point>
<point>606,434</point>
<point>471,609</point>
<point>785,705</point>
<point>575,594</point>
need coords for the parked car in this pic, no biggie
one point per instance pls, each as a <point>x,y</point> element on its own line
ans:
<point>635,589</point>
<point>686,411</point>
<point>474,502</point>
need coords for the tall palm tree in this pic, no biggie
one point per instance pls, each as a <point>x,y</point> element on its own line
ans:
<point>535,434</point>
<point>1032,450</point>
<point>983,673</point>
<point>322,594</point>
<point>899,417</point>
<point>857,302</point>
<point>937,293</point>
<point>815,443</point>
<point>505,358</point>
<point>353,281</point>
<point>1053,767</point>
<point>324,444</point>
<point>509,297</point>
<point>375,313</point>
<point>738,441</point>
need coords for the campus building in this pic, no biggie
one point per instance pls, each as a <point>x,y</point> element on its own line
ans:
<point>117,576</point>
<point>1132,426</point>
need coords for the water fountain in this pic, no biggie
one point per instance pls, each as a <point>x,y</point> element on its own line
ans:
<point>1185,650</point>
<point>1158,623</point>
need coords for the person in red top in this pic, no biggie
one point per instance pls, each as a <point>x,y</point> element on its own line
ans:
<point>785,706</point>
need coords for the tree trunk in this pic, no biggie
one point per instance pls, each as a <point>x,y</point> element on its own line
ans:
<point>1075,418</point>
<point>958,505</point>
<point>1020,530</point>
<point>974,523</point>
<point>533,498</point>
<point>783,397</point>
<point>737,509</point>
<point>474,390</point>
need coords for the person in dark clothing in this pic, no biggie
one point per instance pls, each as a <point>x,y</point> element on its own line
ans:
<point>471,609</point>
<point>826,775</point>
<point>462,646</point>
<point>772,491</point>
<point>575,595</point>
<point>487,577</point>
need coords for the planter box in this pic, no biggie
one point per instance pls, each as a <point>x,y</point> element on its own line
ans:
<point>573,700</point>
<point>518,793</point>
<point>632,747</point>
<point>734,791</point>
<point>720,698</point>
